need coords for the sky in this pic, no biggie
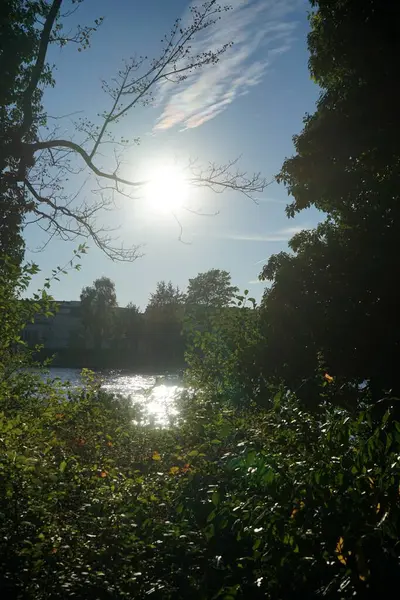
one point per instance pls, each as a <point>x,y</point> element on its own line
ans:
<point>247,106</point>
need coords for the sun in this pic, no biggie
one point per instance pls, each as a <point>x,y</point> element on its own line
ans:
<point>167,189</point>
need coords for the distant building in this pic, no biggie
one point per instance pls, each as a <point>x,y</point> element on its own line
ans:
<point>56,332</point>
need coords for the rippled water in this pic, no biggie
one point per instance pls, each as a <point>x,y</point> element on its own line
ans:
<point>157,395</point>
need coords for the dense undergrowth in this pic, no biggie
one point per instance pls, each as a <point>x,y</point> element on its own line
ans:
<point>226,504</point>
<point>238,499</point>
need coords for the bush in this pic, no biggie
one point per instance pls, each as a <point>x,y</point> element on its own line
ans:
<point>232,501</point>
<point>227,504</point>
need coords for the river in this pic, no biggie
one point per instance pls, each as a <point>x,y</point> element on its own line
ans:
<point>157,394</point>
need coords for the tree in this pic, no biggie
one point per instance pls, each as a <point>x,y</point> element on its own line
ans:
<point>35,162</point>
<point>98,303</point>
<point>165,298</point>
<point>163,325</point>
<point>128,329</point>
<point>212,289</point>
<point>19,42</point>
<point>334,299</point>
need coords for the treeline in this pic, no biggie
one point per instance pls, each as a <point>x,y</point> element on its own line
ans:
<point>116,337</point>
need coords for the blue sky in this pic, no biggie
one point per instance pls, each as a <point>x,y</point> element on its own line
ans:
<point>248,105</point>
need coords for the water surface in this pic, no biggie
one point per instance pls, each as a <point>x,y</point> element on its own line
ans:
<point>157,394</point>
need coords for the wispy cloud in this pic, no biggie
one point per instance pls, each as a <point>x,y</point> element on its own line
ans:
<point>279,236</point>
<point>261,31</point>
<point>243,237</point>
<point>282,235</point>
<point>290,231</point>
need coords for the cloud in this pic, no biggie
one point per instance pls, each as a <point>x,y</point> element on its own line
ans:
<point>270,200</point>
<point>256,282</point>
<point>261,31</point>
<point>279,236</point>
<point>290,231</point>
<point>282,235</point>
<point>242,237</point>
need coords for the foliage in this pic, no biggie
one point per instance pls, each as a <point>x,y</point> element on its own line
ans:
<point>248,494</point>
<point>164,344</point>
<point>220,346</point>
<point>333,298</point>
<point>166,298</point>
<point>212,289</point>
<point>128,328</point>
<point>97,305</point>
<point>19,40</point>
<point>228,504</point>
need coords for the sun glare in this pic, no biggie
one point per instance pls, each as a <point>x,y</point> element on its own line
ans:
<point>167,189</point>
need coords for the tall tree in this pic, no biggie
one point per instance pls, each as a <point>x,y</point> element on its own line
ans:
<point>98,303</point>
<point>35,162</point>
<point>19,39</point>
<point>163,325</point>
<point>335,298</point>
<point>212,288</point>
<point>128,330</point>
<point>166,297</point>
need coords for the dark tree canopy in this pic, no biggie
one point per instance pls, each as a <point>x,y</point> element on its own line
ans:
<point>19,39</point>
<point>335,298</point>
<point>98,303</point>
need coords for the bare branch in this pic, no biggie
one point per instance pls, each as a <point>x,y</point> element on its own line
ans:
<point>42,167</point>
<point>79,150</point>
<point>85,227</point>
<point>180,230</point>
<point>220,178</point>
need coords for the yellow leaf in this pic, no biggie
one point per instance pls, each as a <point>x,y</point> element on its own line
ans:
<point>294,511</point>
<point>339,549</point>
<point>339,545</point>
<point>378,507</point>
<point>328,378</point>
<point>362,577</point>
<point>174,470</point>
<point>156,455</point>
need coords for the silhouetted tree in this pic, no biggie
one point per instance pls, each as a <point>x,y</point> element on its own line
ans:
<point>212,289</point>
<point>19,42</point>
<point>127,331</point>
<point>163,325</point>
<point>335,298</point>
<point>98,303</point>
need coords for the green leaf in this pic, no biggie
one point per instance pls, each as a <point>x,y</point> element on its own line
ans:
<point>215,498</point>
<point>209,532</point>
<point>63,466</point>
<point>211,516</point>
<point>257,544</point>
